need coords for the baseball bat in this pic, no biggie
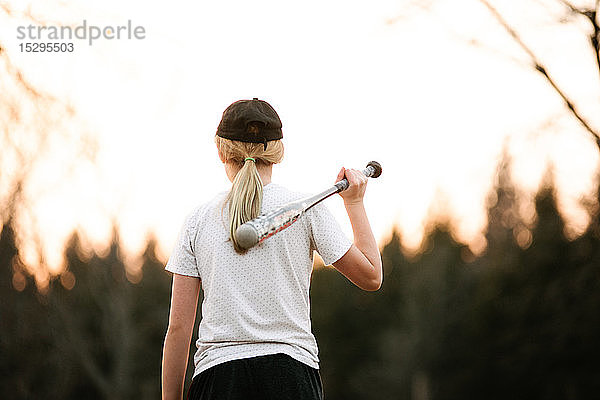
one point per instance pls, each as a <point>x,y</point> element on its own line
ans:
<point>266,225</point>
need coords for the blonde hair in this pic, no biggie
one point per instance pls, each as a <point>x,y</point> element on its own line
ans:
<point>245,197</point>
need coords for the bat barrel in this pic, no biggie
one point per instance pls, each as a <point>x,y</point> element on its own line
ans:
<point>246,235</point>
<point>266,225</point>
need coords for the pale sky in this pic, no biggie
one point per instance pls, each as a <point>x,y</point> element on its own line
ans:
<point>352,81</point>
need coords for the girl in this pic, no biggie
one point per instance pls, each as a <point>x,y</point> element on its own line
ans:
<point>255,339</point>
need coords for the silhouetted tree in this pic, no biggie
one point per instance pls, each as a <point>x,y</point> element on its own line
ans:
<point>109,330</point>
<point>33,123</point>
<point>590,14</point>
<point>150,318</point>
<point>25,346</point>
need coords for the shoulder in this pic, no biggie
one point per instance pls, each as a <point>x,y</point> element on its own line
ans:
<point>276,195</point>
<point>279,194</point>
<point>199,214</point>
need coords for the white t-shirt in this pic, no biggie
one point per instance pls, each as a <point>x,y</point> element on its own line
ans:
<point>257,303</point>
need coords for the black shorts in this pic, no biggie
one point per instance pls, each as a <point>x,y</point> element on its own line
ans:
<point>277,377</point>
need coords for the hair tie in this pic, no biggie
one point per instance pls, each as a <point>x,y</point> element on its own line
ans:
<point>249,158</point>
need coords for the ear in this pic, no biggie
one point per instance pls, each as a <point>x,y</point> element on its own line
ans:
<point>221,156</point>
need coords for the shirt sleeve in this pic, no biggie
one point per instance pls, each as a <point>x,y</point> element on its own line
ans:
<point>327,236</point>
<point>183,260</point>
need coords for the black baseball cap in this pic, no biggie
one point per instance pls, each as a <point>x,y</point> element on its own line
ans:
<point>250,121</point>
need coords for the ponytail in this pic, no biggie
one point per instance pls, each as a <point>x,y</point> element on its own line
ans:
<point>245,197</point>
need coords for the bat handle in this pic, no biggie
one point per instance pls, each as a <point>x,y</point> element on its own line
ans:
<point>372,170</point>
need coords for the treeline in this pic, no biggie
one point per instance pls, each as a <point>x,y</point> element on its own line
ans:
<point>93,334</point>
<point>520,321</point>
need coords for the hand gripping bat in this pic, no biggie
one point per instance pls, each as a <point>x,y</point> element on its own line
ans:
<point>266,225</point>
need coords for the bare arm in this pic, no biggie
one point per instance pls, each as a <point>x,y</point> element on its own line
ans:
<point>362,263</point>
<point>184,300</point>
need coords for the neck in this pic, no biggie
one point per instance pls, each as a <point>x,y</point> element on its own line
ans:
<point>263,170</point>
<point>265,173</point>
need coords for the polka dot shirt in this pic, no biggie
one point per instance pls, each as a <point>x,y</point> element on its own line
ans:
<point>256,303</point>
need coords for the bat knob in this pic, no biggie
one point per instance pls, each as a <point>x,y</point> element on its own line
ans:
<point>376,167</point>
<point>246,236</point>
